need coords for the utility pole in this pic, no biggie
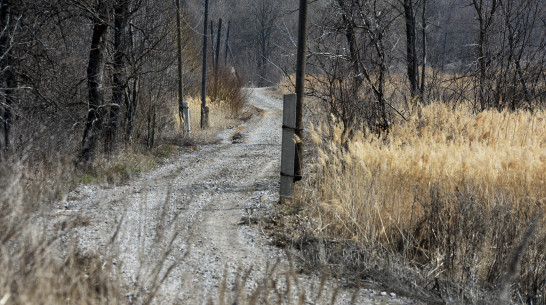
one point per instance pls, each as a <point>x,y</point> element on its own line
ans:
<point>218,39</point>
<point>227,42</point>
<point>204,108</point>
<point>216,60</point>
<point>212,40</point>
<point>179,53</point>
<point>300,87</point>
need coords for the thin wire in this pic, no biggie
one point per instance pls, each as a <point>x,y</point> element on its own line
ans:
<point>193,28</point>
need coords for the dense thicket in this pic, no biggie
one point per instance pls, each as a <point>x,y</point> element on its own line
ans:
<point>79,77</point>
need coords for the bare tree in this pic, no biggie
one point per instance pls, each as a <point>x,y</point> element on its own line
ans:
<point>521,47</point>
<point>100,16</point>
<point>8,22</point>
<point>264,15</point>
<point>485,11</point>
<point>74,67</point>
<point>350,60</point>
<point>152,80</point>
<point>131,94</point>
<point>411,50</point>
<point>119,81</point>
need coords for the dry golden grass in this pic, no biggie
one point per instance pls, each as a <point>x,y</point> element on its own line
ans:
<point>452,192</point>
<point>220,118</point>
<point>33,270</point>
<point>497,152</point>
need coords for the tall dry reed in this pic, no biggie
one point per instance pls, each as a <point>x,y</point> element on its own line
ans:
<point>451,192</point>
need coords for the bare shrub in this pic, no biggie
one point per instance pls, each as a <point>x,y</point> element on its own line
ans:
<point>226,88</point>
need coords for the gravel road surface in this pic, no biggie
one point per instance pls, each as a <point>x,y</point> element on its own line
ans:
<point>186,217</point>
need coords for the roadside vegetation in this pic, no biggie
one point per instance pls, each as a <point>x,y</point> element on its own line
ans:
<point>425,151</point>
<point>39,262</point>
<point>446,206</point>
<point>426,159</point>
<point>450,199</point>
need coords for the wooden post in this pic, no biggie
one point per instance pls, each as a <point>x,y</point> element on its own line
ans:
<point>212,40</point>
<point>227,41</point>
<point>180,59</point>
<point>217,60</point>
<point>204,108</point>
<point>300,86</point>
<point>288,152</point>
<point>218,40</point>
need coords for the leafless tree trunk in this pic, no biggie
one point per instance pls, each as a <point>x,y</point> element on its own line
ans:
<point>95,70</point>
<point>485,13</point>
<point>352,43</point>
<point>151,126</point>
<point>376,29</point>
<point>7,75</point>
<point>131,105</point>
<point>131,91</point>
<point>424,48</point>
<point>218,40</point>
<point>411,51</point>
<point>121,15</point>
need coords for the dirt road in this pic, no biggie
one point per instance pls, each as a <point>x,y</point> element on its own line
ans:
<point>185,217</point>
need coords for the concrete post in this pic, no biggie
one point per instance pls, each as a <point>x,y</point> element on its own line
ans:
<point>288,152</point>
<point>186,114</point>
